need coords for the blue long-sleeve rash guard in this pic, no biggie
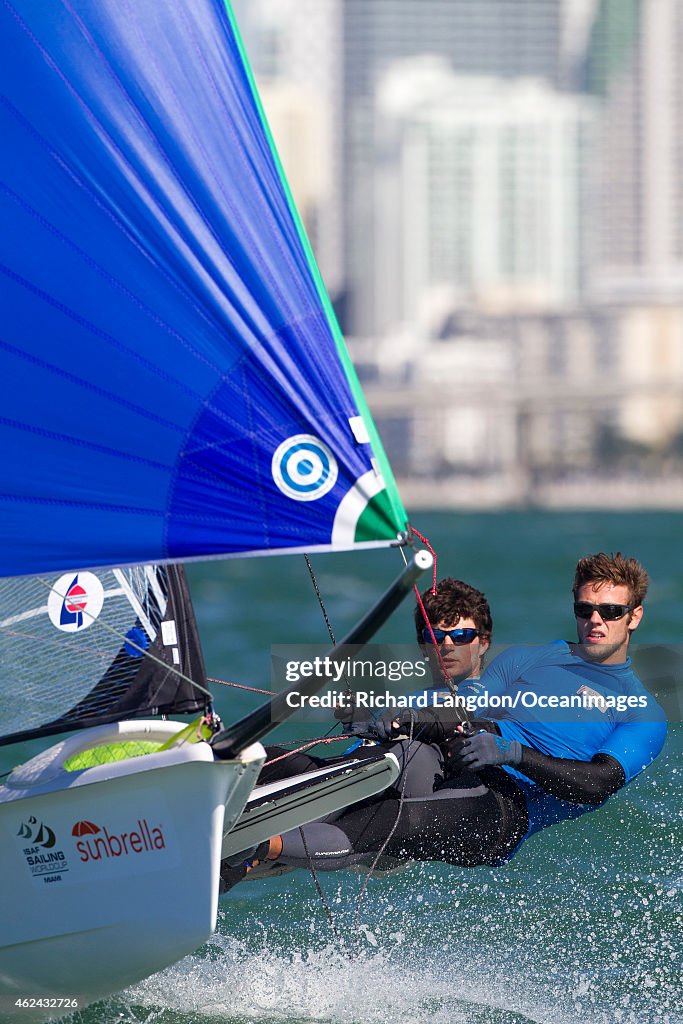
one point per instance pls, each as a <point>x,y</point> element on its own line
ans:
<point>623,721</point>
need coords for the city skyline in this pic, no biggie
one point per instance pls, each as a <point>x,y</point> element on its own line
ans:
<point>490,177</point>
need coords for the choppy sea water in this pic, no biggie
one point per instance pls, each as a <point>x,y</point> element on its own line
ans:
<point>585,924</point>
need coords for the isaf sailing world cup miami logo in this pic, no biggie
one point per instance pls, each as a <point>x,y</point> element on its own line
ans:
<point>44,860</point>
<point>75,601</point>
<point>304,468</point>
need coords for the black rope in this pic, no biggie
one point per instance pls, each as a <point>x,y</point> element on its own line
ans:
<point>311,865</point>
<point>366,882</point>
<point>320,599</point>
<point>314,581</point>
<point>321,893</point>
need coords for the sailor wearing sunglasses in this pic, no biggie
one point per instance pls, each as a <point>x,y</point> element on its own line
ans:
<point>574,727</point>
<point>453,626</point>
<point>569,724</point>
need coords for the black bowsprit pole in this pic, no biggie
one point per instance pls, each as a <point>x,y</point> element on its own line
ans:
<point>228,743</point>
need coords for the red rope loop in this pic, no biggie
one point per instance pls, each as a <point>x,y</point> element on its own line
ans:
<point>422,607</point>
<point>433,554</point>
<point>307,746</point>
<point>239,686</point>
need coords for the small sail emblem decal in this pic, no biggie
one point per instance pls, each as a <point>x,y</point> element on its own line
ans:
<point>304,468</point>
<point>74,605</point>
<point>41,836</point>
<point>75,601</point>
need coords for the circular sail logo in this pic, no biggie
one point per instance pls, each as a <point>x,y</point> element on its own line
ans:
<point>75,601</point>
<point>304,468</point>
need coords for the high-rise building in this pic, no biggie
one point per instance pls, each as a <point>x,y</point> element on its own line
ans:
<point>476,198</point>
<point>294,47</point>
<point>505,38</point>
<point>492,190</point>
<point>500,38</point>
<point>633,67</point>
<point>339,49</point>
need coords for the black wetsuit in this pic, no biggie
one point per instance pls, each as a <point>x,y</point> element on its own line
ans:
<point>569,766</point>
<point>467,820</point>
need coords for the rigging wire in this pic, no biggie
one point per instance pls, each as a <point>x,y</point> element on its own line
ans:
<point>320,600</point>
<point>311,866</point>
<point>437,650</point>
<point>314,581</point>
<point>366,880</point>
<point>364,887</point>
<point>321,893</point>
<point>239,686</point>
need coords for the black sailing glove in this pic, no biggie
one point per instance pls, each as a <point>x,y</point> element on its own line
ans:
<point>372,729</point>
<point>452,746</point>
<point>347,712</point>
<point>429,725</point>
<point>485,750</point>
<point>423,725</point>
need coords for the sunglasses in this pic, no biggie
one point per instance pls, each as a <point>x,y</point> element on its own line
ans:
<point>458,636</point>
<point>607,612</point>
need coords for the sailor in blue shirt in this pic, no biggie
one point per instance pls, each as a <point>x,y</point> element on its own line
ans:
<point>563,727</point>
<point>572,731</point>
<point>575,723</point>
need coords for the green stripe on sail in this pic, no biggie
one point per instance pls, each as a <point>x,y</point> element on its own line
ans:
<point>376,513</point>
<point>385,516</point>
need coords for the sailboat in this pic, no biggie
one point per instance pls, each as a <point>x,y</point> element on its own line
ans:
<point>174,387</point>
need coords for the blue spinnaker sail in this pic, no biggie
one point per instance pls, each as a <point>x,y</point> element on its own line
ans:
<point>173,380</point>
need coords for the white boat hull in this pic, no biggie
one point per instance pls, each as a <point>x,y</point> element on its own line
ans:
<point>123,878</point>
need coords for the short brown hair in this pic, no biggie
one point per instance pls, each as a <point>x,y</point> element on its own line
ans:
<point>616,569</point>
<point>454,600</point>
